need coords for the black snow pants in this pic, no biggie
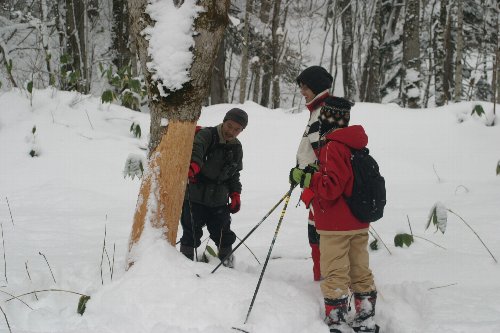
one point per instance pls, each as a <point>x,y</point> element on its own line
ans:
<point>217,220</point>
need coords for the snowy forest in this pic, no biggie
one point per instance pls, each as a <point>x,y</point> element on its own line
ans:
<point>415,53</point>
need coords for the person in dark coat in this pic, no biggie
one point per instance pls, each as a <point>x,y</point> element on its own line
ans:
<point>214,186</point>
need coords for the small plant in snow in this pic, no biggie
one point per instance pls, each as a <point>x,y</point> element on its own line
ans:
<point>35,149</point>
<point>478,109</point>
<point>135,129</point>
<point>134,166</point>
<point>498,168</point>
<point>439,217</point>
<point>403,239</point>
<point>129,90</point>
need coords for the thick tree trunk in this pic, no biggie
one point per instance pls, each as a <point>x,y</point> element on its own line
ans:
<point>276,47</point>
<point>370,84</point>
<point>218,89</point>
<point>410,89</point>
<point>244,52</point>
<point>162,189</point>
<point>347,49</point>
<point>75,32</point>
<point>440,55</point>
<point>120,34</point>
<point>460,49</point>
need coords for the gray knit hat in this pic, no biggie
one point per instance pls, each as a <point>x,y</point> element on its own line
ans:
<point>237,115</point>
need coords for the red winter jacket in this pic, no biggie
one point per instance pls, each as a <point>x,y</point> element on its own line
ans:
<point>334,180</point>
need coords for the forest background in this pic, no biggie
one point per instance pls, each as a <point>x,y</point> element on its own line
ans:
<point>415,53</point>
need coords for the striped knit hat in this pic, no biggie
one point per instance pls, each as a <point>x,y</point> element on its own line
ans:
<point>336,113</point>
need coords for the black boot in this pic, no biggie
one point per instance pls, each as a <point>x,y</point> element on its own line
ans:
<point>223,252</point>
<point>188,251</point>
<point>336,312</point>
<point>365,312</point>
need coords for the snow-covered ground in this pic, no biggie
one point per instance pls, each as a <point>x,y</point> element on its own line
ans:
<point>71,198</point>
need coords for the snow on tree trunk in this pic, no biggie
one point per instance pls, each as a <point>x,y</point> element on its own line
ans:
<point>162,189</point>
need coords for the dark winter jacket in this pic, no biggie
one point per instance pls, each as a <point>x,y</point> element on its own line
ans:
<point>220,162</point>
<point>333,182</point>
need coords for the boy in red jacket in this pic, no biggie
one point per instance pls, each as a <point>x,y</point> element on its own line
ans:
<point>343,242</point>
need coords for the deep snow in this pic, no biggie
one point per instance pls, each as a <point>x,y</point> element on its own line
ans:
<point>63,201</point>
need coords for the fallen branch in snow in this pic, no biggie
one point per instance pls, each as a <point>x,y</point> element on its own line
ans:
<point>448,285</point>
<point>44,290</point>
<point>4,257</point>
<point>40,253</point>
<point>6,320</point>
<point>10,212</point>
<point>29,276</point>
<point>14,297</point>
<point>249,250</point>
<point>378,237</point>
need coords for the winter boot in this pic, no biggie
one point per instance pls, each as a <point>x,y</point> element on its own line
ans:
<point>365,312</point>
<point>188,251</point>
<point>315,257</point>
<point>223,252</point>
<point>336,312</point>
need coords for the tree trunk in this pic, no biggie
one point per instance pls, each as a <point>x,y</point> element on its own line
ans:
<point>460,48</point>
<point>448,61</point>
<point>162,189</point>
<point>255,67</point>
<point>347,49</point>
<point>440,54</point>
<point>218,88</point>
<point>370,85</point>
<point>276,47</point>
<point>410,88</point>
<point>75,32</point>
<point>120,34</point>
<point>244,54</point>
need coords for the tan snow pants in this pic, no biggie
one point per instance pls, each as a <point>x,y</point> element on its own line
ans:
<point>345,263</point>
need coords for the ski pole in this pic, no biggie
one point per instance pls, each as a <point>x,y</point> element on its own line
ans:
<point>287,195</point>
<point>270,250</point>
<point>193,230</point>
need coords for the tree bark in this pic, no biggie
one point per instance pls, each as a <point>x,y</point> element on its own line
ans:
<point>162,189</point>
<point>276,47</point>
<point>410,88</point>
<point>460,49</point>
<point>440,55</point>
<point>347,49</point>
<point>120,34</point>
<point>244,54</point>
<point>218,88</point>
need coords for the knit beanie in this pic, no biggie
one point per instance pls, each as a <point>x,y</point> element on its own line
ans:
<point>315,78</point>
<point>335,113</point>
<point>237,115</point>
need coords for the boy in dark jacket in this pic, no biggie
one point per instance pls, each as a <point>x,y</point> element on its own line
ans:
<point>214,186</point>
<point>343,238</point>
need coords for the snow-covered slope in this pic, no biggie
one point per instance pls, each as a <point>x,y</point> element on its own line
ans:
<point>71,198</point>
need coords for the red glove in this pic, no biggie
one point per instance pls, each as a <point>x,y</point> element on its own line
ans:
<point>234,206</point>
<point>194,169</point>
<point>307,196</point>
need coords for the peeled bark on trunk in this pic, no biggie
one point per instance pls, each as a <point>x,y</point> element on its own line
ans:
<point>244,52</point>
<point>162,189</point>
